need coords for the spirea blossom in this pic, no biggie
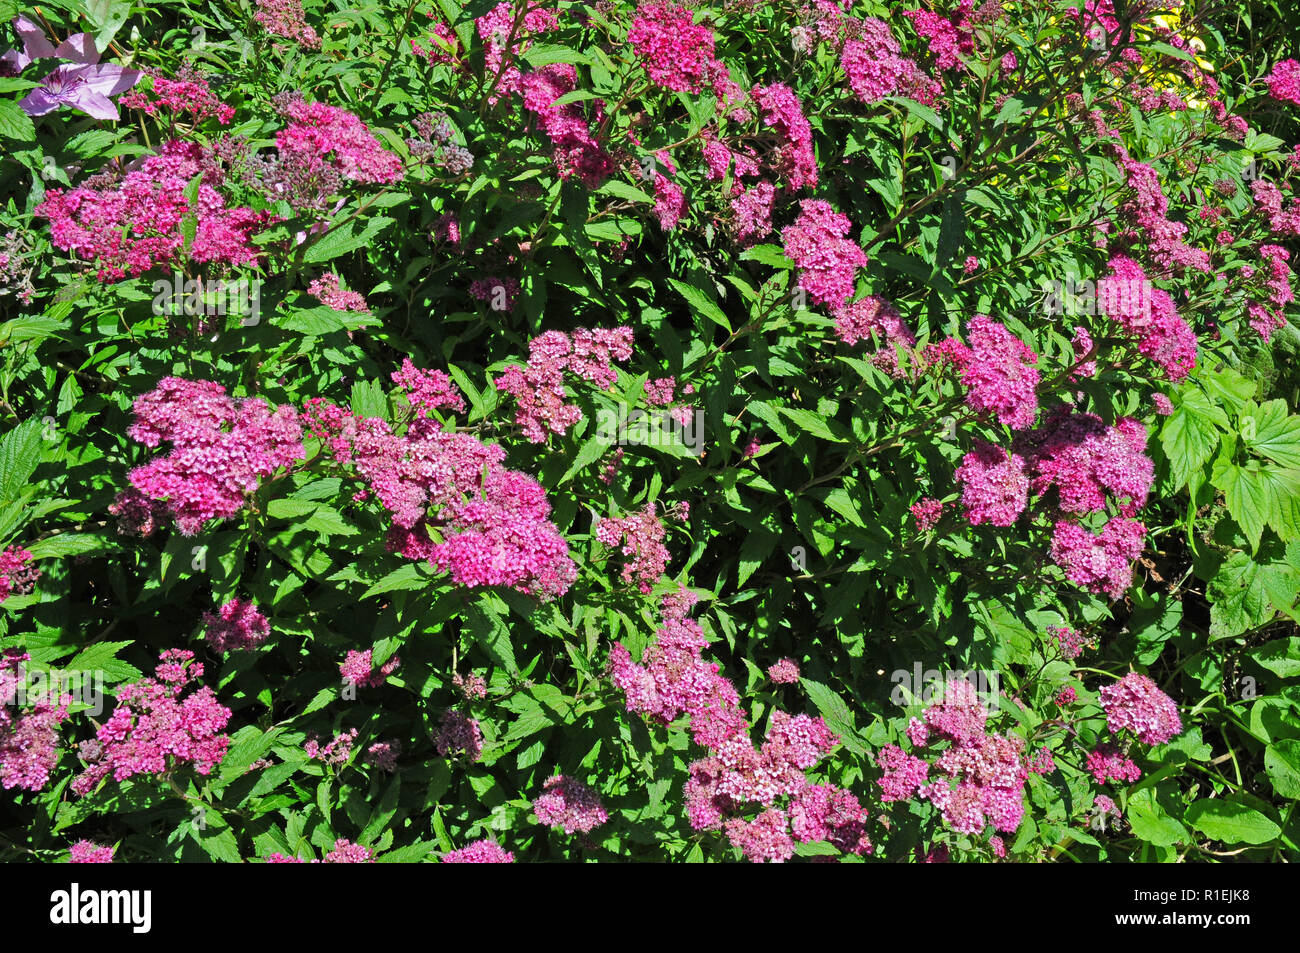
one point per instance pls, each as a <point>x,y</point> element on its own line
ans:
<point>766,839</point>
<point>782,111</point>
<point>285,18</point>
<point>1147,314</point>
<point>133,225</point>
<point>641,537</point>
<point>569,805</point>
<point>1136,703</point>
<point>926,513</point>
<point>427,391</point>
<point>539,386</point>
<point>1088,462</point>
<point>828,261</point>
<point>221,448</point>
<point>479,852</point>
<point>238,624</point>
<point>1102,562</point>
<point>359,668</point>
<point>1284,82</point>
<point>185,94</point>
<point>18,574</point>
<point>784,672</point>
<point>875,67</point>
<point>337,751</point>
<point>156,726</point>
<point>328,290</point>
<point>29,737</point>
<point>1108,763</point>
<point>998,375</point>
<point>675,51</point>
<point>87,852</point>
<point>337,137</point>
<point>995,485</point>
<point>459,735</point>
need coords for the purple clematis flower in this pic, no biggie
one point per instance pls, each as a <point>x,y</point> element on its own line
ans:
<point>83,83</point>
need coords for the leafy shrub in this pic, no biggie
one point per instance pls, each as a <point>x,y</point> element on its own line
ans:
<point>549,430</point>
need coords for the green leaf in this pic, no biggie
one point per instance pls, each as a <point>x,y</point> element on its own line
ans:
<point>1190,436</point>
<point>1270,431</point>
<point>1231,822</point>
<point>14,123</point>
<point>20,453</point>
<point>835,713</point>
<point>701,303</point>
<point>1150,822</point>
<point>1282,762</point>
<point>814,424</point>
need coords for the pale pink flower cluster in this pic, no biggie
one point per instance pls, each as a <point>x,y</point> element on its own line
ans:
<point>1136,703</point>
<point>479,852</point>
<point>336,752</point>
<point>673,680</point>
<point>784,672</point>
<point>1148,212</point>
<point>1070,642</point>
<point>873,318</point>
<point>221,450</point>
<point>285,18</point>
<point>538,387</point>
<point>569,805</point>
<point>471,687</point>
<point>154,729</point>
<point>329,292</point>
<point>29,738</point>
<point>236,625</point>
<point>981,774</point>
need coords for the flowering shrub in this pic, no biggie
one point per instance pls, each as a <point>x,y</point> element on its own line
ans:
<point>501,432</point>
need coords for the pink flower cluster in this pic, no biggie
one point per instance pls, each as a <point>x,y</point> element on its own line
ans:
<point>876,68</point>
<point>338,750</point>
<point>983,773</point>
<point>673,679</point>
<point>996,371</point>
<point>1108,763</point>
<point>329,292</point>
<point>318,132</point>
<point>1147,314</point>
<point>872,317</point>
<point>641,535</point>
<point>135,224</point>
<point>1102,562</point>
<point>236,625</point>
<point>784,672</point>
<point>87,852</point>
<point>188,93</point>
<point>221,450</point>
<point>427,391</point>
<point>783,113</point>
<point>459,735</point>
<point>1148,211</point>
<point>1070,642</point>
<point>344,852</point>
<point>995,485</point>
<point>1087,462</point>
<point>538,387</point>
<point>154,729</point>
<point>569,805</point>
<point>926,512</point>
<point>493,524</point>
<point>479,852</point>
<point>285,18</point>
<point>18,574</point>
<point>359,668</point>
<point>676,52</point>
<point>28,739</point>
<point>1135,703</point>
<point>828,261</point>
<point>1284,82</point>
<point>949,37</point>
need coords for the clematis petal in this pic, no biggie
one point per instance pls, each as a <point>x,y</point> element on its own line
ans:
<point>35,44</point>
<point>39,102</point>
<point>93,103</point>
<point>79,48</point>
<point>110,80</point>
